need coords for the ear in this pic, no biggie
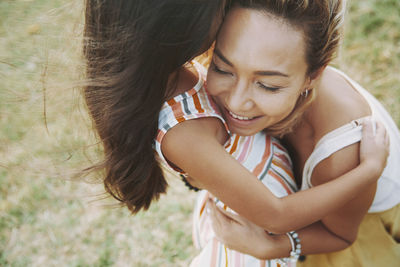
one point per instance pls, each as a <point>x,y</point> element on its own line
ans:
<point>314,78</point>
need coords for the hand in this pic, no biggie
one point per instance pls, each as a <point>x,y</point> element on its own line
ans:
<point>374,146</point>
<point>240,234</point>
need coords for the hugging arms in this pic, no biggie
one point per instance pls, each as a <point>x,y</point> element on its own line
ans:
<point>137,56</point>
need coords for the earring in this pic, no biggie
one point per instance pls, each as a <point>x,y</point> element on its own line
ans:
<point>305,93</point>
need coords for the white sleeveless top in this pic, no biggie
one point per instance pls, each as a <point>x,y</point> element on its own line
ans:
<point>388,189</point>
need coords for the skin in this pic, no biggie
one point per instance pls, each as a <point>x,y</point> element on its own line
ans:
<point>240,234</point>
<point>261,81</point>
<point>257,79</point>
<point>196,146</point>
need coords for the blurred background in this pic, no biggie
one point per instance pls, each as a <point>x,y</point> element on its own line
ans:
<point>49,219</point>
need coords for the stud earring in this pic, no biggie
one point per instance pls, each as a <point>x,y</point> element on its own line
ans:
<point>305,93</point>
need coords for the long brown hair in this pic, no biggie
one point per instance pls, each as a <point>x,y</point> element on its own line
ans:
<point>131,50</point>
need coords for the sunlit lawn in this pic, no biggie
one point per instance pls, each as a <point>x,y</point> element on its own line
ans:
<point>48,220</point>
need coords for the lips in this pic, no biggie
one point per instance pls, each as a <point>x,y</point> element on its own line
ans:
<point>235,120</point>
<point>240,117</point>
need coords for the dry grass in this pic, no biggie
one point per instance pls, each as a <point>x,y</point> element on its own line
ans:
<point>47,219</point>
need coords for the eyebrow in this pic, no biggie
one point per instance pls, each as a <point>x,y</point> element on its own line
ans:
<point>258,72</point>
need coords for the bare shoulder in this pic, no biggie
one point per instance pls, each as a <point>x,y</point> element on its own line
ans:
<point>337,104</point>
<point>184,137</point>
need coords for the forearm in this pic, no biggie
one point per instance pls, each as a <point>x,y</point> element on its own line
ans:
<point>323,199</point>
<point>315,239</point>
<point>345,181</point>
<point>237,187</point>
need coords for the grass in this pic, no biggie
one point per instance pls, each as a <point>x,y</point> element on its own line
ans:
<point>47,219</point>
<point>371,49</point>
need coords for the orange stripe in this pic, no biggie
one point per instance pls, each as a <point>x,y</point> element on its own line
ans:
<point>176,109</point>
<point>171,102</point>
<point>191,91</point>
<point>203,206</point>
<point>204,202</point>
<point>267,152</point>
<point>234,146</point>
<point>285,168</point>
<point>279,146</point>
<point>284,159</point>
<point>279,179</point>
<point>205,100</point>
<point>160,136</point>
<point>197,103</point>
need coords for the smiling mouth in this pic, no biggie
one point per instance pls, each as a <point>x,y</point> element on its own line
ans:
<point>242,118</point>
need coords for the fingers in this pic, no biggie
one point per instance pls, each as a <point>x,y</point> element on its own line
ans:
<point>380,133</point>
<point>220,223</point>
<point>218,219</point>
<point>227,214</point>
<point>375,141</point>
<point>380,129</point>
<point>373,128</point>
<point>369,127</point>
<point>223,222</point>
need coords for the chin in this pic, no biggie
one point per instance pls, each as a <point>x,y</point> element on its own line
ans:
<point>243,132</point>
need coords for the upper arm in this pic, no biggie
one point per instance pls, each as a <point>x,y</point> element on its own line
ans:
<point>345,221</point>
<point>194,147</point>
<point>346,105</point>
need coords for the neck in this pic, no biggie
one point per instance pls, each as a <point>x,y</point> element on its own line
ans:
<point>304,126</point>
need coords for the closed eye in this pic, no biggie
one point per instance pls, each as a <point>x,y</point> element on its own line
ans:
<point>215,68</point>
<point>268,88</point>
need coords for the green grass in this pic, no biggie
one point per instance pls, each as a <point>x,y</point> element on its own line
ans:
<point>45,218</point>
<point>371,49</point>
<point>48,220</point>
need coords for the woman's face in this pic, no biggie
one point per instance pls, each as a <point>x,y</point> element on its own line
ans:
<point>258,70</point>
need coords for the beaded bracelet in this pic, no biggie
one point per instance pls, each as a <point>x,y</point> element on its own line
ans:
<point>294,253</point>
<point>296,246</point>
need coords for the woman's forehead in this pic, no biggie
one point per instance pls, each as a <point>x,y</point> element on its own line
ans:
<point>256,38</point>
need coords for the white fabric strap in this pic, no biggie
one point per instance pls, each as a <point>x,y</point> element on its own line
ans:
<point>332,142</point>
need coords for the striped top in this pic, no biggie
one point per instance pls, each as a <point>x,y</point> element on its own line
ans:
<point>261,154</point>
<point>192,104</point>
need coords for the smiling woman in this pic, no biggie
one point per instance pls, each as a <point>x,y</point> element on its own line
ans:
<point>269,56</point>
<point>260,79</point>
<point>150,107</point>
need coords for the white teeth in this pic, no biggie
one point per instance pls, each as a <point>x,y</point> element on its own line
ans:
<point>240,117</point>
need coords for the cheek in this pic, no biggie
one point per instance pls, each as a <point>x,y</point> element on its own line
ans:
<point>211,86</point>
<point>217,85</point>
<point>278,105</point>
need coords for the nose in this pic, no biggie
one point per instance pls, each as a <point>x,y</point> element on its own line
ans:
<point>239,98</point>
